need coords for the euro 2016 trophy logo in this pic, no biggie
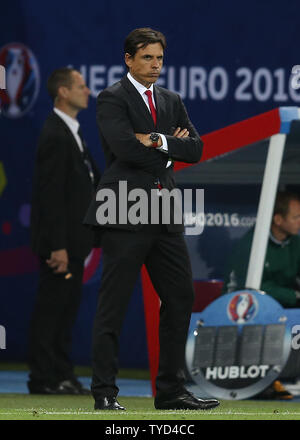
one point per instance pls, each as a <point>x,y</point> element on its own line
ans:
<point>242,308</point>
<point>22,80</point>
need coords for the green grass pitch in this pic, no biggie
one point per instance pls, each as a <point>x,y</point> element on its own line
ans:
<point>34,407</point>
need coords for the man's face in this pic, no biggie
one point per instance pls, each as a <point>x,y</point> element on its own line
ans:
<point>290,224</point>
<point>146,64</point>
<point>77,96</point>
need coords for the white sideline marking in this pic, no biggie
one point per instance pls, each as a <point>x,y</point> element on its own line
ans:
<point>169,412</point>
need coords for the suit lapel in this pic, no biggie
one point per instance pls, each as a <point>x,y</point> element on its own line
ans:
<point>69,134</point>
<point>160,109</point>
<point>138,102</point>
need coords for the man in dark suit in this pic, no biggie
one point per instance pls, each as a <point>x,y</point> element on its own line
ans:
<point>141,135</point>
<point>64,183</point>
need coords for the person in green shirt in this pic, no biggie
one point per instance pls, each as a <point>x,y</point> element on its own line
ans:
<point>281,273</point>
<point>282,262</point>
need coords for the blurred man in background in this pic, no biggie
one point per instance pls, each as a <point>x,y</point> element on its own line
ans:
<point>64,183</point>
<point>281,271</point>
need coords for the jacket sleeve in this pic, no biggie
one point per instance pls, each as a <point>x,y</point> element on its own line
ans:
<point>285,296</point>
<point>188,149</point>
<point>96,170</point>
<point>116,128</point>
<point>52,169</point>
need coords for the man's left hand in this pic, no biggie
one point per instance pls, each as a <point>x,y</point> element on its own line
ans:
<point>146,141</point>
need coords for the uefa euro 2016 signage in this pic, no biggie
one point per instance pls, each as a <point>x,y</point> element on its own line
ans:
<point>238,345</point>
<point>19,80</point>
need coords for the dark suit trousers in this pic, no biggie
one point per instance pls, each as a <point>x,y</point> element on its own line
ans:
<point>54,315</point>
<point>166,258</point>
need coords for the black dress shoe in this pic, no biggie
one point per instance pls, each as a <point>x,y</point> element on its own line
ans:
<point>41,389</point>
<point>65,387</point>
<point>84,391</point>
<point>108,403</point>
<point>79,388</point>
<point>186,400</point>
<point>72,387</point>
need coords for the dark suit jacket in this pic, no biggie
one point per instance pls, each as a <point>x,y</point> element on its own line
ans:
<point>62,191</point>
<point>121,112</point>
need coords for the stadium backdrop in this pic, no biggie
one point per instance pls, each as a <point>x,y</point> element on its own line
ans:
<point>229,61</point>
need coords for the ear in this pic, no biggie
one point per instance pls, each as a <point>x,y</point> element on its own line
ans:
<point>277,219</point>
<point>128,59</point>
<point>62,92</point>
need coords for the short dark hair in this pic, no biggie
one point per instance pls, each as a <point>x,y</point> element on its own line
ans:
<point>61,77</point>
<point>282,202</point>
<point>140,38</point>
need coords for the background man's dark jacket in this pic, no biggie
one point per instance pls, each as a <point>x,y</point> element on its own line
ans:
<point>62,191</point>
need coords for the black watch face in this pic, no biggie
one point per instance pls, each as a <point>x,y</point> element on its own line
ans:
<point>154,137</point>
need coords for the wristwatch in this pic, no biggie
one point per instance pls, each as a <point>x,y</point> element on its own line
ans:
<point>154,137</point>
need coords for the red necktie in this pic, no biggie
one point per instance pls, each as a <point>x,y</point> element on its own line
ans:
<point>153,113</point>
<point>151,105</point>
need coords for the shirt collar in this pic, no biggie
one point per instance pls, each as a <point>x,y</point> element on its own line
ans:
<point>72,123</point>
<point>140,88</point>
<point>281,243</point>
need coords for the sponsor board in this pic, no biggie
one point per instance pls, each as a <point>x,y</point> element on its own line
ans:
<point>238,345</point>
